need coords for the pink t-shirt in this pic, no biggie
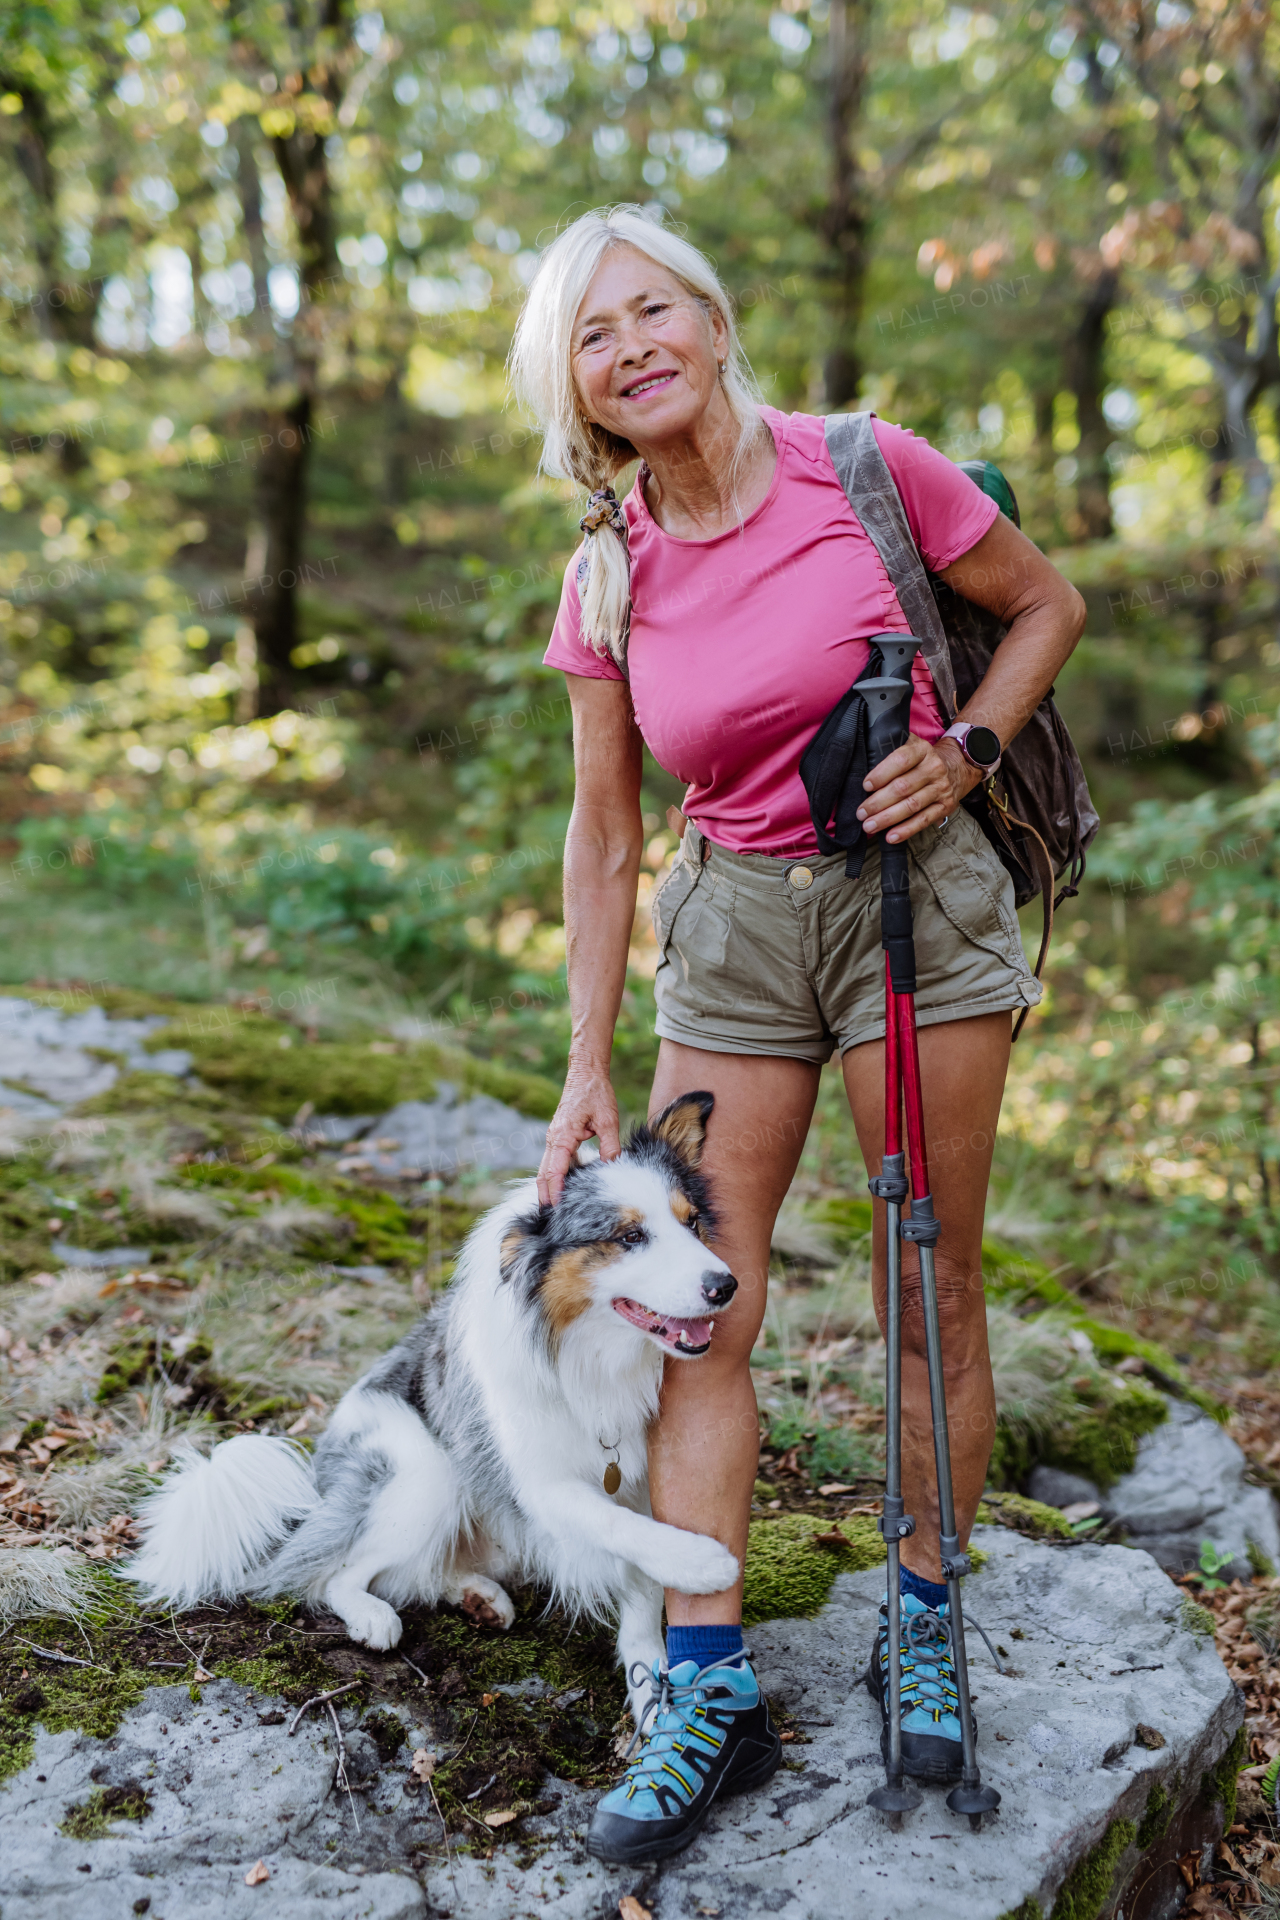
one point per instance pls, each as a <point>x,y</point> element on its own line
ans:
<point>741,645</point>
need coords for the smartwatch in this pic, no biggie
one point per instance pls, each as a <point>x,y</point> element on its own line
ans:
<point>979,745</point>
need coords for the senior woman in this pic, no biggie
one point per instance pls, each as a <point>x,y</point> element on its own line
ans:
<point>718,613</point>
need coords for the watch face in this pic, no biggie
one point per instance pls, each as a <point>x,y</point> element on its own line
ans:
<point>982,746</point>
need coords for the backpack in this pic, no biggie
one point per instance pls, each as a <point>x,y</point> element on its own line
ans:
<point>1036,813</point>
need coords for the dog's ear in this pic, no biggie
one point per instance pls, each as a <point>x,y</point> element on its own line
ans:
<point>523,1245</point>
<point>683,1125</point>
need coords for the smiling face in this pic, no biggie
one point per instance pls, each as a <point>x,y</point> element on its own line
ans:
<point>645,352</point>
<point>624,1246</point>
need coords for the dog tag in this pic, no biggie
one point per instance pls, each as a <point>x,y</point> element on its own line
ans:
<point>612,1477</point>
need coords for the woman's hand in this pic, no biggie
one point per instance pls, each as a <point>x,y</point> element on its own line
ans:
<point>916,786</point>
<point>587,1106</point>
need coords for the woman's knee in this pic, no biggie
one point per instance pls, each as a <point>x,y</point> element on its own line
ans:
<point>962,1307</point>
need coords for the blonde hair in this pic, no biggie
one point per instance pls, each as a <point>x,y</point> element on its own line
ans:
<point>575,448</point>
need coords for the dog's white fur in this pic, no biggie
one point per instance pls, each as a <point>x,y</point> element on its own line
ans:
<point>496,1474</point>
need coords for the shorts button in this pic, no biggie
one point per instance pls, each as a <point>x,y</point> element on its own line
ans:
<point>800,878</point>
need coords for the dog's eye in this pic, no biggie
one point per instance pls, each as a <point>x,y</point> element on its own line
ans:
<point>634,1237</point>
<point>692,1222</point>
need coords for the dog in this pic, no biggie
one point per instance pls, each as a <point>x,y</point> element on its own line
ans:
<point>479,1450</point>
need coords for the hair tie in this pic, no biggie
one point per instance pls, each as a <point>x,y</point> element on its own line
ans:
<point>602,510</point>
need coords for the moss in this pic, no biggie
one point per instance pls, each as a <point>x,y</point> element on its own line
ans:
<point>144,1357</point>
<point>91,1819</point>
<point>269,1065</point>
<point>1029,1910</point>
<point>1220,1782</point>
<point>293,1670</point>
<point>1098,1437</point>
<point>60,1698</point>
<point>371,1223</point>
<point>141,1092</point>
<point>1161,1805</point>
<point>1196,1619</point>
<point>788,1576</point>
<point>1031,1517</point>
<point>386,1730</point>
<point>1085,1889</point>
<point>1260,1564</point>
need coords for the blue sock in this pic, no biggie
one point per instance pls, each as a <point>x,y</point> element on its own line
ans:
<point>932,1592</point>
<point>703,1643</point>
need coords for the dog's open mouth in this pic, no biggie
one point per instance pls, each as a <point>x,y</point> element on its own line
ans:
<point>678,1336</point>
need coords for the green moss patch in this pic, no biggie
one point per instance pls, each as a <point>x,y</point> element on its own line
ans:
<point>793,1560</point>
<point>1196,1619</point>
<point>92,1819</point>
<point>1095,1434</point>
<point>58,1697</point>
<point>1085,1889</point>
<point>1161,1806</point>
<point>1221,1782</point>
<point>1030,1517</point>
<point>270,1066</point>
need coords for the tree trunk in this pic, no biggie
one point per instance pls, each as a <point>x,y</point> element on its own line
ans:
<point>250,185</point>
<point>64,310</point>
<point>283,469</point>
<point>846,223</point>
<point>1086,366</point>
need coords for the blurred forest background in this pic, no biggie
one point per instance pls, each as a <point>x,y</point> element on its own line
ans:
<point>278,570</point>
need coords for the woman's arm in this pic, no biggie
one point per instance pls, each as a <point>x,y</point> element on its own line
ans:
<point>923,782</point>
<point>601,872</point>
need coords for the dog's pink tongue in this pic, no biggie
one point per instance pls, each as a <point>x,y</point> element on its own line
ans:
<point>689,1333</point>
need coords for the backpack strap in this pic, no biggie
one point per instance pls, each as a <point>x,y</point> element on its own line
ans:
<point>871,491</point>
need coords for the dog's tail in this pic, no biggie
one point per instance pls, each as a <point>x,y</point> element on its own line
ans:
<point>215,1521</point>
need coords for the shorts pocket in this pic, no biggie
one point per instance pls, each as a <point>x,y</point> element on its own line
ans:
<point>973,889</point>
<point>669,899</point>
<point>701,936</point>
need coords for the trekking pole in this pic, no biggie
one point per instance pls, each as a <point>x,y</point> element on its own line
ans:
<point>887,701</point>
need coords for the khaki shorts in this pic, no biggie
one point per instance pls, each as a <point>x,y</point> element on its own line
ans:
<point>761,954</point>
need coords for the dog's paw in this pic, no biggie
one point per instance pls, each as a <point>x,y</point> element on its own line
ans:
<point>482,1600</point>
<point>488,1610</point>
<point>698,1564</point>
<point>368,1620</point>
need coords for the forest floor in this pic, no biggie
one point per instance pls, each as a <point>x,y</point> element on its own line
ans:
<point>259,1273</point>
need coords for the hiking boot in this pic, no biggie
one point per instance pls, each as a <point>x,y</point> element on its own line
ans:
<point>704,1733</point>
<point>930,1717</point>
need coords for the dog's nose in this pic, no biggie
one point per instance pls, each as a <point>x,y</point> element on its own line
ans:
<point>718,1289</point>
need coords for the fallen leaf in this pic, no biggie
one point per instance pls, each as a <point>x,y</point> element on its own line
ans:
<point>833,1539</point>
<point>424,1764</point>
<point>788,1733</point>
<point>629,1908</point>
<point>201,1677</point>
<point>1149,1737</point>
<point>834,1487</point>
<point>503,1818</point>
<point>487,1699</point>
<point>1270,1876</point>
<point>257,1874</point>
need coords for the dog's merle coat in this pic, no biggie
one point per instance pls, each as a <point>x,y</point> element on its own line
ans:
<point>473,1452</point>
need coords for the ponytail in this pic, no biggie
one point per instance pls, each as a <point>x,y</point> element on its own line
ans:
<point>604,575</point>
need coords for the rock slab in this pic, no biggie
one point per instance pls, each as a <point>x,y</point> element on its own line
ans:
<point>1188,1486</point>
<point>1097,1647</point>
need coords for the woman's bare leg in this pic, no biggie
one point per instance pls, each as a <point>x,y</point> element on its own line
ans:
<point>962,1073</point>
<point>704,1448</point>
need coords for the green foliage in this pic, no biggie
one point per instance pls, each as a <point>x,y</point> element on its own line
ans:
<point>823,1450</point>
